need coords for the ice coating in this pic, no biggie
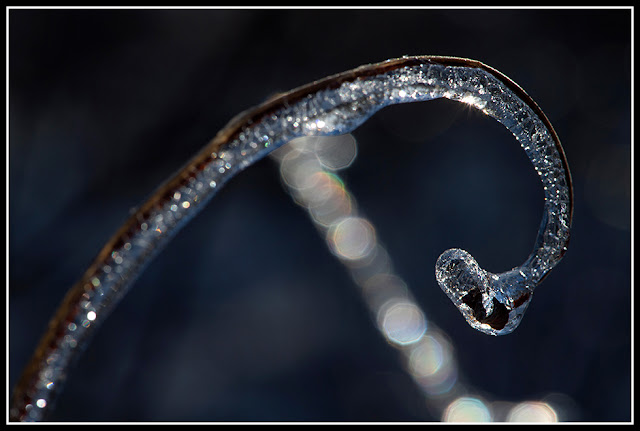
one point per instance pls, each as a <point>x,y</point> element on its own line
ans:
<point>491,303</point>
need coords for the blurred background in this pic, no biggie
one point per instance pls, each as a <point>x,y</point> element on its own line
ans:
<point>248,315</point>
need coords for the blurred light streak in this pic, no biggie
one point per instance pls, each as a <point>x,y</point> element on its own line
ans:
<point>432,366</point>
<point>308,169</point>
<point>467,409</point>
<point>403,323</point>
<point>335,152</point>
<point>532,411</point>
<point>351,238</point>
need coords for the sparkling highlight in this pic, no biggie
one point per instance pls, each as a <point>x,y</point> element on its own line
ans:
<point>492,303</point>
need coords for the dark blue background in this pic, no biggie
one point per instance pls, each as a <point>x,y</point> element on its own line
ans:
<point>247,316</point>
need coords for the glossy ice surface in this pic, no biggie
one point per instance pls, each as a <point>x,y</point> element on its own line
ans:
<point>491,303</point>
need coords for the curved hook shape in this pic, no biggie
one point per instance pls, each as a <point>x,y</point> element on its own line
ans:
<point>492,303</point>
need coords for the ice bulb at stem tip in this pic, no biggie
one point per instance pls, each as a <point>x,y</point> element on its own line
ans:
<point>491,303</point>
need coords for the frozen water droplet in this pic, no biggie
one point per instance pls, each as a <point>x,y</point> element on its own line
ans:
<point>491,303</point>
